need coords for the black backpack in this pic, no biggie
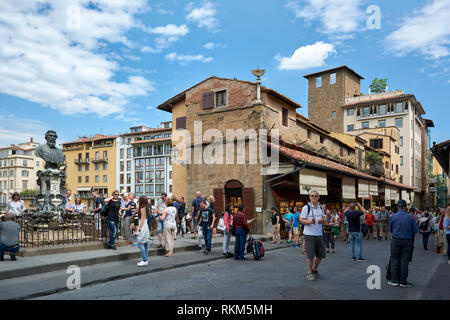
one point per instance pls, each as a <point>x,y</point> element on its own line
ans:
<point>424,225</point>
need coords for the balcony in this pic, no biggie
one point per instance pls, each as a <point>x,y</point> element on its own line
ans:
<point>99,160</point>
<point>376,169</point>
<point>81,161</point>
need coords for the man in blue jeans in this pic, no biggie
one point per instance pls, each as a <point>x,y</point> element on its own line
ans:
<point>206,222</point>
<point>9,238</point>
<point>403,227</point>
<point>353,215</point>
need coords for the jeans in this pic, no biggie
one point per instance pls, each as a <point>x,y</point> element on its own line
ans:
<point>149,222</point>
<point>207,235</point>
<point>412,250</point>
<point>160,225</point>
<point>113,228</point>
<point>11,250</point>
<point>328,238</point>
<point>144,251</point>
<point>239,245</point>
<point>226,241</point>
<point>400,251</point>
<point>364,230</point>
<point>356,236</point>
<point>425,237</point>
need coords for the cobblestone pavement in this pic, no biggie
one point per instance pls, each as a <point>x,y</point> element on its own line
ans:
<point>281,275</point>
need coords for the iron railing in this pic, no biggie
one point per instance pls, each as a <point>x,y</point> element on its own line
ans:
<point>40,230</point>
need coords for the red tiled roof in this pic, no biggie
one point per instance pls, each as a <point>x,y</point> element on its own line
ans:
<point>331,165</point>
<point>151,140</point>
<point>94,138</point>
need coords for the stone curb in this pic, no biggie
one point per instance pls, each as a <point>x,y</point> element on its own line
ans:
<point>137,273</point>
<point>91,261</point>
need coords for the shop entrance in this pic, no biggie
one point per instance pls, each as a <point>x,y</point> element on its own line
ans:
<point>233,194</point>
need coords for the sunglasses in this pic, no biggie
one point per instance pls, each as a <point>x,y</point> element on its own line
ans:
<point>314,196</point>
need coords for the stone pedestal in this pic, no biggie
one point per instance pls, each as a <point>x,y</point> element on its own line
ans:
<point>51,183</point>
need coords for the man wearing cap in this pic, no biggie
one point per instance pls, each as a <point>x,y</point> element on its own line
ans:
<point>403,228</point>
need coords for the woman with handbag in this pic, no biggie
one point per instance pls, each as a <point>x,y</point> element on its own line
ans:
<point>228,221</point>
<point>142,231</point>
<point>170,226</point>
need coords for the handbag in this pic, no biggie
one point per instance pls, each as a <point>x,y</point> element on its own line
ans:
<point>221,226</point>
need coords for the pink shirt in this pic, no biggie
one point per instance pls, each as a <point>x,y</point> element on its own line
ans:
<point>228,220</point>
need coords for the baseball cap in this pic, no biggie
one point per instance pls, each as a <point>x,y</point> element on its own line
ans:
<point>401,204</point>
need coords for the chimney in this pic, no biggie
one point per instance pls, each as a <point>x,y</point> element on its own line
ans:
<point>258,74</point>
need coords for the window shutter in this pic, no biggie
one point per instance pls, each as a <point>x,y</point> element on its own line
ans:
<point>220,200</point>
<point>208,101</point>
<point>181,123</point>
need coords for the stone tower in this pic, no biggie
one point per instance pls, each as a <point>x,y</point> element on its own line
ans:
<point>327,91</point>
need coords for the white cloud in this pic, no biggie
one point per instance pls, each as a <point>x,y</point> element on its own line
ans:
<point>426,31</point>
<point>167,34</point>
<point>21,130</point>
<point>58,57</point>
<point>213,45</point>
<point>307,57</point>
<point>205,16</point>
<point>184,59</point>
<point>336,16</point>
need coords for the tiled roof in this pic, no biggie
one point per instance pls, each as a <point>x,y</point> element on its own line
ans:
<point>334,69</point>
<point>326,164</point>
<point>94,138</point>
<point>151,140</point>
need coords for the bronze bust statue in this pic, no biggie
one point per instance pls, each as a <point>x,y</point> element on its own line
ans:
<point>52,156</point>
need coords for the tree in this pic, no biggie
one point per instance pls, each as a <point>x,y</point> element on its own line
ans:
<point>378,85</point>
<point>373,157</point>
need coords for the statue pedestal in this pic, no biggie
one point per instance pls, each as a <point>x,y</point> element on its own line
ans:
<point>51,183</point>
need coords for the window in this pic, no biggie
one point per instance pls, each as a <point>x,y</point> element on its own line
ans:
<point>334,114</point>
<point>97,167</point>
<point>401,160</point>
<point>87,156</point>
<point>401,179</point>
<point>308,134</point>
<point>180,123</point>
<point>396,168</point>
<point>122,153</point>
<point>406,106</point>
<point>37,163</point>
<point>128,178</point>
<point>105,166</point>
<point>321,139</point>
<point>24,173</point>
<point>79,168</point>
<point>97,179</point>
<point>87,167</point>
<point>285,117</point>
<point>401,141</point>
<point>121,166</point>
<point>318,82</point>
<point>382,109</point>
<point>381,123</point>
<point>79,179</point>
<point>221,98</point>
<point>86,179</point>
<point>350,112</point>
<point>366,111</point>
<point>399,107</point>
<point>365,125</point>
<point>11,173</point>
<point>105,178</point>
<point>386,165</point>
<point>376,143</point>
<point>129,153</point>
<point>341,151</point>
<point>350,127</point>
<point>121,178</point>
<point>24,184</point>
<point>97,155</point>
<point>399,122</point>
<point>105,154</point>
<point>332,78</point>
<point>128,165</point>
<point>11,184</point>
<point>25,163</point>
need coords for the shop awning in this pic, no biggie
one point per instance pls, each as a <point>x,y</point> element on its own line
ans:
<point>405,196</point>
<point>373,188</point>
<point>313,180</point>
<point>394,194</point>
<point>387,196</point>
<point>348,188</point>
<point>84,189</point>
<point>363,188</point>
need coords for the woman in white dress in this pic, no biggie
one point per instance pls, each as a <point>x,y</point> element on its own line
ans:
<point>78,207</point>
<point>15,206</point>
<point>170,226</point>
<point>142,231</point>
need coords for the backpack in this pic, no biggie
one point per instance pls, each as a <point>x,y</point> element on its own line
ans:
<point>256,247</point>
<point>424,225</point>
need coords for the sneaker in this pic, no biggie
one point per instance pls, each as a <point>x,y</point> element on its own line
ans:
<point>13,257</point>
<point>316,273</point>
<point>142,263</point>
<point>311,277</point>
<point>407,285</point>
<point>393,284</point>
<point>361,259</point>
<point>354,259</point>
<point>230,255</point>
<point>206,252</point>
<point>113,247</point>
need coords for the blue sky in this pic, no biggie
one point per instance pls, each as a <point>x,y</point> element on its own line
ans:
<point>86,67</point>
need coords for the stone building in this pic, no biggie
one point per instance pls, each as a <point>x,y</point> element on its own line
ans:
<point>309,156</point>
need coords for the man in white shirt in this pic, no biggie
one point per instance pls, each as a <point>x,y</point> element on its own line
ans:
<point>313,217</point>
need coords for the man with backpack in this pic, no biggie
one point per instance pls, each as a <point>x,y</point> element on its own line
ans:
<point>313,217</point>
<point>425,228</point>
<point>98,205</point>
